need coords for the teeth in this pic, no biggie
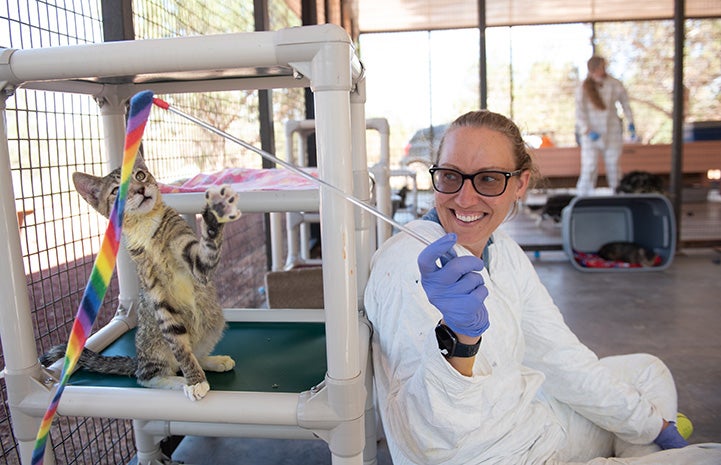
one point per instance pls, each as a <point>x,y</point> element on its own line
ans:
<point>468,218</point>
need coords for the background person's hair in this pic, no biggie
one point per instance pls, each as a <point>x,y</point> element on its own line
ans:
<point>590,87</point>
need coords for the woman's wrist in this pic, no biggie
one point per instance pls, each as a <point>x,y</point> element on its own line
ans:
<point>458,349</point>
<point>464,338</point>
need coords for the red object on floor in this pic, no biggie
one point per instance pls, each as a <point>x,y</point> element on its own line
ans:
<point>592,260</point>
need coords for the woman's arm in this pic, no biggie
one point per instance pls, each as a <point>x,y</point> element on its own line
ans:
<point>581,112</point>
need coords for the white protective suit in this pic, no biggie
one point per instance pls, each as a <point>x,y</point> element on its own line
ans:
<point>607,124</point>
<point>515,408</point>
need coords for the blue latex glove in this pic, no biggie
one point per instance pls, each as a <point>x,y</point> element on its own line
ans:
<point>632,131</point>
<point>670,438</point>
<point>594,136</point>
<point>455,288</point>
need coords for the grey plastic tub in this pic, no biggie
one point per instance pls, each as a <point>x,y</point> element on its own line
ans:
<point>590,222</point>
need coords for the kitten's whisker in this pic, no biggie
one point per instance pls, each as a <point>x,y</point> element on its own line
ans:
<point>166,106</point>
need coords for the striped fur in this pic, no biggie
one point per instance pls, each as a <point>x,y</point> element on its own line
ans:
<point>180,319</point>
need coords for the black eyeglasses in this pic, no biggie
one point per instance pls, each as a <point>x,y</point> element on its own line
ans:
<point>488,183</point>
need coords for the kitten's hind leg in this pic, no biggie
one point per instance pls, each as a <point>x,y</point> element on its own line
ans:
<point>217,363</point>
<point>223,202</point>
<point>174,383</point>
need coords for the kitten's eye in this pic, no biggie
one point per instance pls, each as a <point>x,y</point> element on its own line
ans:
<point>115,190</point>
<point>140,176</point>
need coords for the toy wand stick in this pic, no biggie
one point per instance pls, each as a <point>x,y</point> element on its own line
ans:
<point>166,106</point>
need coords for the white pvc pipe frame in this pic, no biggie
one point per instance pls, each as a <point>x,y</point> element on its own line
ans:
<point>297,224</point>
<point>321,57</point>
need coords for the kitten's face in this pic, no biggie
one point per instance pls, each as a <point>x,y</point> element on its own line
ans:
<point>100,192</point>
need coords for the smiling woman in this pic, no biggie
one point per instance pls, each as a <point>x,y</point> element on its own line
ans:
<point>473,361</point>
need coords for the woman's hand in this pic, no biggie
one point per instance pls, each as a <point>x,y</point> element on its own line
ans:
<point>455,288</point>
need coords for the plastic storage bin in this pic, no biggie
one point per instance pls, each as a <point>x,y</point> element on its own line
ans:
<point>590,222</point>
<point>702,130</point>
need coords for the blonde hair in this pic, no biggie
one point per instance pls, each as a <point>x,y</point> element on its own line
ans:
<point>590,87</point>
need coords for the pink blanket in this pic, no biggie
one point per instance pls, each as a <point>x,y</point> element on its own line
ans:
<point>244,180</point>
<point>592,260</point>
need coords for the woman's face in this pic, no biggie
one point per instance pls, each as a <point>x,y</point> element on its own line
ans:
<point>467,213</point>
<point>598,73</point>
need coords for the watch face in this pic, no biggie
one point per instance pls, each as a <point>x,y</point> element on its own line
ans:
<point>449,345</point>
<point>446,340</point>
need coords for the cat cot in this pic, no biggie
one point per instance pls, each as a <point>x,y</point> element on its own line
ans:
<point>587,223</point>
<point>338,408</point>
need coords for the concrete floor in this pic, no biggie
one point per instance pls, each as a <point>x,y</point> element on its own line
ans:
<point>673,313</point>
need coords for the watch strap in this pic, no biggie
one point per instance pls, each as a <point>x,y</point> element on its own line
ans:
<point>466,350</point>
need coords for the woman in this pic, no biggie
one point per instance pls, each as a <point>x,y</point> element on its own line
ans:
<point>473,362</point>
<point>599,126</point>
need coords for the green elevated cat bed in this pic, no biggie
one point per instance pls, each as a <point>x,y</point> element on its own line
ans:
<point>269,357</point>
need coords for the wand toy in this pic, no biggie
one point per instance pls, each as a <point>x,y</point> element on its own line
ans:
<point>140,105</point>
<point>354,200</point>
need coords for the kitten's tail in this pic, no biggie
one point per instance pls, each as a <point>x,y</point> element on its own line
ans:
<point>93,361</point>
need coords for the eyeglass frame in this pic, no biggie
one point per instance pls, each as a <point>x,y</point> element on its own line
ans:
<point>506,174</point>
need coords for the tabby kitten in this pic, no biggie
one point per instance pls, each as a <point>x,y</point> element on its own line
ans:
<point>628,252</point>
<point>180,319</point>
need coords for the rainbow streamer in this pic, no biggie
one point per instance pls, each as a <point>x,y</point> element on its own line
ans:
<point>140,105</point>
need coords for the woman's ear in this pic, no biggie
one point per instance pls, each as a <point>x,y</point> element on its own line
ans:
<point>524,181</point>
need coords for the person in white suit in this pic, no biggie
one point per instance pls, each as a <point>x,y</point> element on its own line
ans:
<point>599,126</point>
<point>473,362</point>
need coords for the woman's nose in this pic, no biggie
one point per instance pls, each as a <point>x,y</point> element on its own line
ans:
<point>467,195</point>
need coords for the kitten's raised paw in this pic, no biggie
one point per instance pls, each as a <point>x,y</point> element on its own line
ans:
<point>196,391</point>
<point>223,202</point>
<point>217,363</point>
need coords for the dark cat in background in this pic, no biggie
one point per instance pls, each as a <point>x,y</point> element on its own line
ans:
<point>635,182</point>
<point>180,319</point>
<point>640,182</point>
<point>553,208</point>
<point>628,252</point>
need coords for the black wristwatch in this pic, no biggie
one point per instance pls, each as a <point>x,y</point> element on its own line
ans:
<point>449,345</point>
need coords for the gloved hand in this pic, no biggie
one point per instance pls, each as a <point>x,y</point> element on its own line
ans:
<point>455,288</point>
<point>632,131</point>
<point>594,136</point>
<point>670,438</point>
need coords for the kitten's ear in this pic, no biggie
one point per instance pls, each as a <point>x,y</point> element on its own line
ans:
<point>88,186</point>
<point>140,161</point>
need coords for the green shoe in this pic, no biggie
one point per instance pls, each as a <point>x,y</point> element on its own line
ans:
<point>684,425</point>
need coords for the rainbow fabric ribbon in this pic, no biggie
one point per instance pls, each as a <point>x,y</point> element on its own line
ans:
<point>140,105</point>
